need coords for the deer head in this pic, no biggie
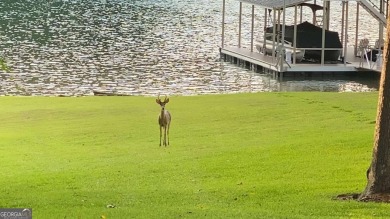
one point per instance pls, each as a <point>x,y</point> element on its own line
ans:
<point>162,103</point>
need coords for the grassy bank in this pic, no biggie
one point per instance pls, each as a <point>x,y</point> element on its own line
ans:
<point>267,155</point>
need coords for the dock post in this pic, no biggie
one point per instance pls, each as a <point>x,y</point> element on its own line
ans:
<point>249,65</point>
<point>327,14</point>
<point>265,25</point>
<point>346,33</point>
<point>379,60</point>
<point>283,37</point>
<point>295,34</point>
<point>355,51</point>
<point>381,27</point>
<point>324,18</point>
<point>223,24</point>
<point>239,26</point>
<point>252,26</point>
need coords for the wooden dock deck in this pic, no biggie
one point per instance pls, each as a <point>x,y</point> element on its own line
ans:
<point>265,63</point>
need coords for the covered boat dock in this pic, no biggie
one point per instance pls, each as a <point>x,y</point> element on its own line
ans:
<point>274,55</point>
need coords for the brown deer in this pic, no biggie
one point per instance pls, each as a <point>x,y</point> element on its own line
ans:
<point>164,119</point>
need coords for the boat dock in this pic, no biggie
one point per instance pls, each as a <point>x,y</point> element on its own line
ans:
<point>281,62</point>
<point>259,62</point>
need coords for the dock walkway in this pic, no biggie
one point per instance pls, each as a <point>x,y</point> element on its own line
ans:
<point>264,63</point>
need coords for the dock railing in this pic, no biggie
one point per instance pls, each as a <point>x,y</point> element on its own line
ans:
<point>292,55</point>
<point>367,54</point>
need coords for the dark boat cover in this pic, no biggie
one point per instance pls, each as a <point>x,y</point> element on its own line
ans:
<point>310,36</point>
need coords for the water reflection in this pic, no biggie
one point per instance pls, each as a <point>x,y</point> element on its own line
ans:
<point>137,47</point>
<point>331,85</point>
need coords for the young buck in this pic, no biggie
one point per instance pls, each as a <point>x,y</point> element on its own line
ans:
<point>164,119</point>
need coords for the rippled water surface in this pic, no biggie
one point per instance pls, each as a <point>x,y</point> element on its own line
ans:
<point>137,47</point>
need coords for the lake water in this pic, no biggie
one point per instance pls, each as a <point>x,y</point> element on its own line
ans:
<point>136,47</point>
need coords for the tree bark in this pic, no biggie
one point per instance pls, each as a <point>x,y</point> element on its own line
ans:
<point>378,174</point>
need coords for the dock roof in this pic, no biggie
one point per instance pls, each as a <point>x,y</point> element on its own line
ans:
<point>279,3</point>
<point>274,3</point>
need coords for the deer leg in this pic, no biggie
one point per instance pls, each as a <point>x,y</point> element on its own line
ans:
<point>160,134</point>
<point>165,136</point>
<point>168,133</point>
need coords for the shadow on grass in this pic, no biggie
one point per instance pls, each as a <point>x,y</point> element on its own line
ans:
<point>381,197</point>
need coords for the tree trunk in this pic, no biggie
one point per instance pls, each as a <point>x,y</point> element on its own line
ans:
<point>378,175</point>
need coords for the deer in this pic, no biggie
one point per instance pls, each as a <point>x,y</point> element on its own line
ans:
<point>164,119</point>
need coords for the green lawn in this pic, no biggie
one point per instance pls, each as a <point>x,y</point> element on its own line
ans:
<point>265,155</point>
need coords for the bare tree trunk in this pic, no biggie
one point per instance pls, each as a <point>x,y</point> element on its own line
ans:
<point>378,175</point>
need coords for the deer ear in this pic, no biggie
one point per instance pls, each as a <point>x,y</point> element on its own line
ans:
<point>166,101</point>
<point>158,101</point>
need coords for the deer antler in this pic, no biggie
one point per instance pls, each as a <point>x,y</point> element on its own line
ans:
<point>166,99</point>
<point>158,99</point>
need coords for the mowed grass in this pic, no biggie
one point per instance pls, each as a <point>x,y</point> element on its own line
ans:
<point>265,155</point>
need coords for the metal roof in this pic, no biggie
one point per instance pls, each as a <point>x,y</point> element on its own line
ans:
<point>274,3</point>
<point>279,3</point>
